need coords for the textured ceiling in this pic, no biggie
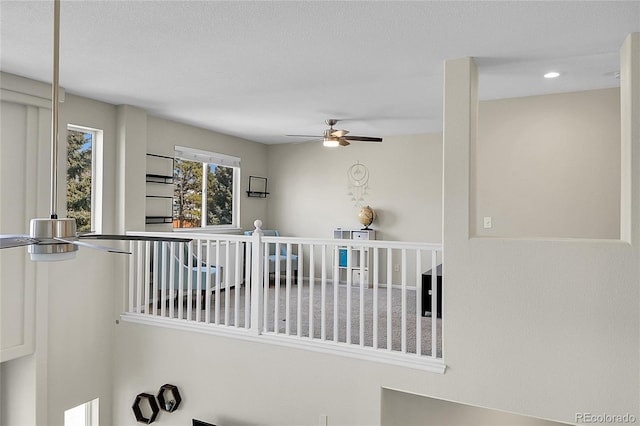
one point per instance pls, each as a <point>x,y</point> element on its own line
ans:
<point>261,69</point>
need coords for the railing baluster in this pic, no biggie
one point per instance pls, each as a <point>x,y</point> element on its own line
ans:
<point>181,268</point>
<point>172,284</point>
<point>237,285</point>
<point>276,310</point>
<point>162,281</point>
<point>336,282</point>
<point>190,281</point>
<point>265,284</point>
<point>418,314</point>
<point>212,286</point>
<point>198,281</point>
<point>300,285</point>
<point>147,277</point>
<point>287,301</point>
<point>154,283</point>
<point>323,294</point>
<point>227,278</point>
<point>389,294</point>
<point>247,285</point>
<point>132,275</point>
<point>434,304</point>
<point>312,285</point>
<point>138,278</point>
<point>376,278</point>
<point>403,310</point>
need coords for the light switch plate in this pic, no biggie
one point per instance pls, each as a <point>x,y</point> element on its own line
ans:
<point>487,222</point>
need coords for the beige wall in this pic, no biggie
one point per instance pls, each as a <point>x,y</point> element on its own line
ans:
<point>548,166</point>
<point>310,189</point>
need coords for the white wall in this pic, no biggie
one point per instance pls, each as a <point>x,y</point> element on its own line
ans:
<point>539,316</point>
<point>73,301</point>
<point>310,189</point>
<point>548,166</point>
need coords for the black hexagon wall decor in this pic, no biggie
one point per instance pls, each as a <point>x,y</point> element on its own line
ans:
<point>137,409</point>
<point>169,398</point>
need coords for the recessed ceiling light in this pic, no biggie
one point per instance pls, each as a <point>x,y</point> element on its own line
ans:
<point>552,74</point>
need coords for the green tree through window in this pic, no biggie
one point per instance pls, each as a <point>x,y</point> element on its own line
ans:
<point>190,189</point>
<point>220,195</point>
<point>187,194</point>
<point>79,177</point>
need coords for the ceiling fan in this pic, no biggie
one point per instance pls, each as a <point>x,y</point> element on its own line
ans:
<point>334,137</point>
<point>55,239</point>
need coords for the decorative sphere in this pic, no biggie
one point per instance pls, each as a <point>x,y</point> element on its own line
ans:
<point>366,216</point>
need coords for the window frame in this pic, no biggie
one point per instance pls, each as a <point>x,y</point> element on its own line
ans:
<point>207,158</point>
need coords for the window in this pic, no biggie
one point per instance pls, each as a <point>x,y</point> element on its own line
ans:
<point>83,153</point>
<point>83,415</point>
<point>206,189</point>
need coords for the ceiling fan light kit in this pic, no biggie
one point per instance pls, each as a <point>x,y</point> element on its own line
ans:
<point>338,137</point>
<point>330,140</point>
<point>49,249</point>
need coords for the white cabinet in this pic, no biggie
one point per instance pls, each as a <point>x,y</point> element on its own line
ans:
<point>354,261</point>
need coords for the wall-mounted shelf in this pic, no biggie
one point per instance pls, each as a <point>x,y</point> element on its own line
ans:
<point>169,398</point>
<point>159,171</point>
<point>259,188</point>
<point>152,405</point>
<point>164,179</point>
<point>158,219</point>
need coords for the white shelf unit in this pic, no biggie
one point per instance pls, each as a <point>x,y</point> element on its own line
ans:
<point>354,268</point>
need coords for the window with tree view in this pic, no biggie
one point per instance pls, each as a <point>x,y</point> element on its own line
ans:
<point>81,144</point>
<point>205,192</point>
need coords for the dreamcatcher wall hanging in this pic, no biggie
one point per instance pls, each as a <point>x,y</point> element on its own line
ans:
<point>358,182</point>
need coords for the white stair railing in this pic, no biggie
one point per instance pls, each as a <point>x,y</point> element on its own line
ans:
<point>293,291</point>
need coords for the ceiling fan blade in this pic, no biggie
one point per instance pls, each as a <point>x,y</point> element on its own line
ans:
<point>134,238</point>
<point>339,133</point>
<point>93,246</point>
<point>363,139</point>
<point>343,142</point>
<point>9,241</point>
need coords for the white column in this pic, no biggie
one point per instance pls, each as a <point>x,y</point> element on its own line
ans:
<point>131,140</point>
<point>630,138</point>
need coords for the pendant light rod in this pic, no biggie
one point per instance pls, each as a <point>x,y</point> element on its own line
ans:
<point>54,109</point>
